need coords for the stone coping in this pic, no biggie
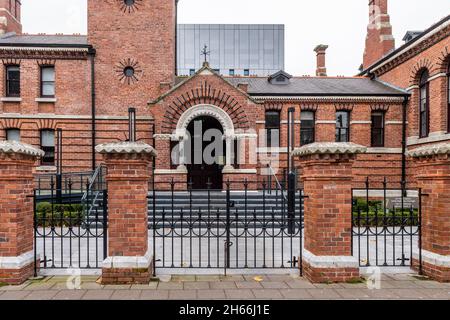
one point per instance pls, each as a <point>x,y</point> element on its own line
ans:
<point>329,148</point>
<point>430,150</point>
<point>19,147</point>
<point>126,148</point>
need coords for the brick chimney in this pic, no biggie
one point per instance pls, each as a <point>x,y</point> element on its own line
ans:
<point>10,16</point>
<point>379,40</point>
<point>321,70</point>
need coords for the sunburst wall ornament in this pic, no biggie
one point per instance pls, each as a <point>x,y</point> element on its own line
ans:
<point>128,71</point>
<point>129,6</point>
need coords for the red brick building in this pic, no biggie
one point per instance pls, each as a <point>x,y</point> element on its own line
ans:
<point>85,86</point>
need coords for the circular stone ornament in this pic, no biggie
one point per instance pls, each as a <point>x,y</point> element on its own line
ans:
<point>129,6</point>
<point>128,71</point>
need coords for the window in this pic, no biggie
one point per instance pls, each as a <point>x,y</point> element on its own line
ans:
<point>246,72</point>
<point>377,130</point>
<point>48,146</point>
<point>47,81</point>
<point>424,108</point>
<point>272,129</point>
<point>12,81</point>
<point>232,72</point>
<point>307,127</point>
<point>13,135</point>
<point>191,72</point>
<point>342,126</point>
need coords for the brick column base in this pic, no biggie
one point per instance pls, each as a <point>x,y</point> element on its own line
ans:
<point>322,269</point>
<point>434,265</point>
<point>16,211</point>
<point>327,173</point>
<point>129,172</point>
<point>432,164</point>
<point>127,270</point>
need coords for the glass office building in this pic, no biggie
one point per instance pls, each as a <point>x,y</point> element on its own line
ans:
<point>233,49</point>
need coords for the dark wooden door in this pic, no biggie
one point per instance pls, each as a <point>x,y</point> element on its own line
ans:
<point>202,173</point>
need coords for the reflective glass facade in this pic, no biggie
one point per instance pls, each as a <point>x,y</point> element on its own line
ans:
<point>234,49</point>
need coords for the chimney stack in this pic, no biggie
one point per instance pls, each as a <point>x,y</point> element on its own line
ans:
<point>379,40</point>
<point>321,70</point>
<point>10,12</point>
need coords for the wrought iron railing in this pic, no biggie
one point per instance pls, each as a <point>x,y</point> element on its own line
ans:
<point>386,225</point>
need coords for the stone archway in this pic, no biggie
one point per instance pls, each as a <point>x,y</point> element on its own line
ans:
<point>206,110</point>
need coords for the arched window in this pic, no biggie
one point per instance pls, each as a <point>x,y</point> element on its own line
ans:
<point>424,108</point>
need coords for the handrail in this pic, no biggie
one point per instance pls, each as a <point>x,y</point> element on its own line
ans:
<point>91,182</point>
<point>277,181</point>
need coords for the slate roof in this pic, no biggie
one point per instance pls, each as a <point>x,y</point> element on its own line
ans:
<point>318,86</point>
<point>12,39</point>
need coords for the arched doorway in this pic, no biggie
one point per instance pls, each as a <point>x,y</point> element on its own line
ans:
<point>207,153</point>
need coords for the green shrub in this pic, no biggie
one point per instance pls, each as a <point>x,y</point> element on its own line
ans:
<point>61,215</point>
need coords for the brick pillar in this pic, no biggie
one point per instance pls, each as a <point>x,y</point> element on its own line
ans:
<point>327,174</point>
<point>128,175</point>
<point>432,171</point>
<point>17,161</point>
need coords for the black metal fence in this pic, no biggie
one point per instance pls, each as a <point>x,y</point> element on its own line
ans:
<point>69,233</point>
<point>386,225</point>
<point>255,227</point>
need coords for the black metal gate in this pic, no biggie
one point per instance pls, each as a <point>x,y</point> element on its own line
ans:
<point>70,224</point>
<point>387,225</point>
<point>246,225</point>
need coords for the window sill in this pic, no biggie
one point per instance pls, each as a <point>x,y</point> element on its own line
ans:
<point>11,99</point>
<point>46,168</point>
<point>46,100</point>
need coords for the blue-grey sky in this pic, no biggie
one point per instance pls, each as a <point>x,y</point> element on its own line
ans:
<point>340,24</point>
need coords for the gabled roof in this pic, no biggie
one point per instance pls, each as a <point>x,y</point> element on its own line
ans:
<point>280,73</point>
<point>409,45</point>
<point>43,40</point>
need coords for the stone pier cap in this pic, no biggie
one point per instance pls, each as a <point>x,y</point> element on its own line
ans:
<point>21,148</point>
<point>126,148</point>
<point>329,148</point>
<point>430,150</point>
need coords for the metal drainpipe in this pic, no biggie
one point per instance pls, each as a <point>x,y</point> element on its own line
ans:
<point>404,120</point>
<point>91,54</point>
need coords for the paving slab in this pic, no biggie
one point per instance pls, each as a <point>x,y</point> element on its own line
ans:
<point>440,294</point>
<point>352,293</point>
<point>104,294</point>
<point>41,295</point>
<point>274,285</point>
<point>267,294</point>
<point>239,294</point>
<point>14,295</point>
<point>324,293</point>
<point>131,294</point>
<point>118,286</point>
<point>203,285</point>
<point>154,295</point>
<point>297,294</point>
<point>183,278</point>
<point>153,285</point>
<point>170,285</point>
<point>300,284</point>
<point>410,293</point>
<point>248,285</point>
<point>39,286</point>
<point>222,285</point>
<point>211,294</point>
<point>69,295</point>
<point>182,294</point>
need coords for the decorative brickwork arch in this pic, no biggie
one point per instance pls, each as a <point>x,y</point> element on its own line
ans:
<point>417,70</point>
<point>206,110</point>
<point>205,94</point>
<point>444,60</point>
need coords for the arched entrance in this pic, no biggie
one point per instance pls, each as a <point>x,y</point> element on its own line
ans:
<point>206,153</point>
